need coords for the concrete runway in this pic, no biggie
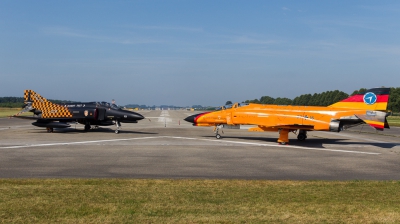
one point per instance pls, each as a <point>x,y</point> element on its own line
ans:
<point>165,146</point>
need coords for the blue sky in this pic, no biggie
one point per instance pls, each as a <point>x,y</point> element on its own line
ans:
<point>196,52</point>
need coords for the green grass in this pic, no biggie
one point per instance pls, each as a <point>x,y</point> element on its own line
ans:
<point>394,121</point>
<point>197,201</point>
<point>5,112</point>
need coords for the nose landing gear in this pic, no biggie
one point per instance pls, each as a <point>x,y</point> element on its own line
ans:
<point>216,129</point>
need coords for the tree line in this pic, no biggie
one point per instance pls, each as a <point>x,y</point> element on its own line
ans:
<point>316,99</point>
<point>18,102</point>
<point>325,99</point>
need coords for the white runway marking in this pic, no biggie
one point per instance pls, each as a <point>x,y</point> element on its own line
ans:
<point>73,143</point>
<point>211,140</point>
<point>353,136</point>
<point>164,117</point>
<point>283,146</point>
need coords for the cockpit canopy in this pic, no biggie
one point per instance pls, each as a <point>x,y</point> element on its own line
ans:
<point>109,105</point>
<point>229,106</point>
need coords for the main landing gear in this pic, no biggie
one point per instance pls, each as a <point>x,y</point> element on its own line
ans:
<point>302,135</point>
<point>87,127</point>
<point>283,137</point>
<point>49,130</point>
<point>216,129</point>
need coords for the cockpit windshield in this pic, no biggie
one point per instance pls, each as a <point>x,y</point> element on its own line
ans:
<point>115,106</point>
<point>229,106</point>
<point>105,104</point>
<point>220,108</point>
<point>109,105</point>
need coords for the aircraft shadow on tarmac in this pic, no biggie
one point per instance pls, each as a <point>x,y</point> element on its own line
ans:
<point>96,130</point>
<point>315,143</point>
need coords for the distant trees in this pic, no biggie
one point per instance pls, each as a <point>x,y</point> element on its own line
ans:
<point>320,99</point>
<point>11,102</point>
<point>17,102</point>
<point>228,102</point>
<point>317,99</point>
<point>362,90</point>
<point>267,100</point>
<point>394,100</point>
<point>327,98</point>
<point>283,101</point>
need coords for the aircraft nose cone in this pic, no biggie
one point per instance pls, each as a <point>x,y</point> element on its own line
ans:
<point>135,116</point>
<point>191,118</point>
<point>138,116</point>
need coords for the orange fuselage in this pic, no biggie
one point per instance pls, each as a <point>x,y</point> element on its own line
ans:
<point>276,116</point>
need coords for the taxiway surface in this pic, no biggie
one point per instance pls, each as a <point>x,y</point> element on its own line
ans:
<point>165,146</point>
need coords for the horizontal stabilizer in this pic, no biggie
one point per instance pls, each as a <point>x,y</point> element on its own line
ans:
<point>375,119</point>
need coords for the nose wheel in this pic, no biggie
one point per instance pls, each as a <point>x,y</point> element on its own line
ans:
<point>118,124</point>
<point>216,129</point>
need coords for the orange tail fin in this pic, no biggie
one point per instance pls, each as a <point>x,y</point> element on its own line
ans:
<point>372,99</point>
<point>49,109</point>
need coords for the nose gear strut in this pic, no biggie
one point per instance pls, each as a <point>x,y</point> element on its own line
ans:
<point>216,129</point>
<point>118,124</point>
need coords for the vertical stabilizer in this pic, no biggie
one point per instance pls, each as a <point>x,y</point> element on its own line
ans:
<point>372,99</point>
<point>48,109</point>
<point>32,96</point>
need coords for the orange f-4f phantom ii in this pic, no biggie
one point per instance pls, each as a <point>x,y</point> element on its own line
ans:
<point>369,107</point>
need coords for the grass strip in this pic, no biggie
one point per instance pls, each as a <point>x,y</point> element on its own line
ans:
<point>5,112</point>
<point>394,121</point>
<point>197,201</point>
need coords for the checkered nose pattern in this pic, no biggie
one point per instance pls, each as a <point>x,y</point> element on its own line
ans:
<point>49,109</point>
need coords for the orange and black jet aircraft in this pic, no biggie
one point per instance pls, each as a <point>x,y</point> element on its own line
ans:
<point>369,107</point>
<point>92,114</point>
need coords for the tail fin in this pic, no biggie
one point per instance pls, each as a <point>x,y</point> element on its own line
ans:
<point>49,109</point>
<point>31,96</point>
<point>372,99</point>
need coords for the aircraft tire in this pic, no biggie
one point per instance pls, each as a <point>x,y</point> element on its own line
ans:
<point>301,137</point>
<point>218,136</point>
<point>116,131</point>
